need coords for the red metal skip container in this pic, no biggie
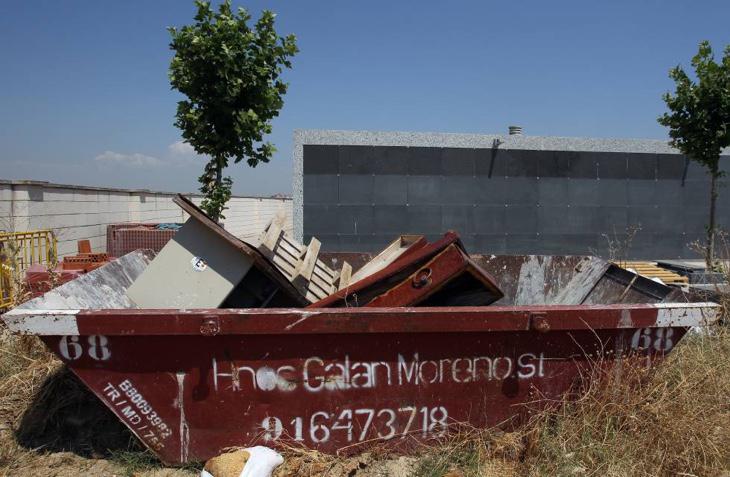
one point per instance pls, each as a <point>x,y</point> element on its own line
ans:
<point>189,383</point>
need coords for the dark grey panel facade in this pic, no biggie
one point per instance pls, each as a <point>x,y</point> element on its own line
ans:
<point>506,201</point>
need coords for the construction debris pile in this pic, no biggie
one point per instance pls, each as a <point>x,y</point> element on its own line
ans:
<point>349,351</point>
<point>204,266</point>
<point>39,278</point>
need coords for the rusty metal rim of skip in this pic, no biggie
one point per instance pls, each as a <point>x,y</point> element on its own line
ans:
<point>360,320</point>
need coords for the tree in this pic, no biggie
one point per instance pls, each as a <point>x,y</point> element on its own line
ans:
<point>699,121</point>
<point>230,75</point>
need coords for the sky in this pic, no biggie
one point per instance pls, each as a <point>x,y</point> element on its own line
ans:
<point>85,98</point>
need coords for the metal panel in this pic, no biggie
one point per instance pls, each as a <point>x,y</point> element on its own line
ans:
<point>373,285</point>
<point>612,165</point>
<point>201,266</point>
<point>197,268</point>
<point>671,166</point>
<point>321,188</point>
<point>356,160</point>
<point>600,182</point>
<point>321,159</point>
<point>642,166</point>
<point>436,277</point>
<point>458,162</point>
<point>104,287</point>
<point>390,189</point>
<point>356,189</point>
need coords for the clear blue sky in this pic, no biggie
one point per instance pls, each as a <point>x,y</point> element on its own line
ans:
<point>84,95</point>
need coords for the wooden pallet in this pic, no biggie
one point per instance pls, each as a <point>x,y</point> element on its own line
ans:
<point>652,270</point>
<point>300,264</point>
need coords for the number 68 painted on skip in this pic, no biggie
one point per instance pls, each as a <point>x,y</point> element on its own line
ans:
<point>98,348</point>
<point>661,339</point>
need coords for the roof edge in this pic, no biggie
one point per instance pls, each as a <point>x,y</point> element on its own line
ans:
<point>462,140</point>
<point>53,185</point>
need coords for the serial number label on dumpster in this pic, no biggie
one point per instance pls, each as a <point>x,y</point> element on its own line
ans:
<point>134,409</point>
<point>358,425</point>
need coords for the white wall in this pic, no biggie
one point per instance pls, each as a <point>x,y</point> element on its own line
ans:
<point>247,216</point>
<point>76,212</point>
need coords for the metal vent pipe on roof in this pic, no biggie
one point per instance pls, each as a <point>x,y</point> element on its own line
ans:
<point>515,130</point>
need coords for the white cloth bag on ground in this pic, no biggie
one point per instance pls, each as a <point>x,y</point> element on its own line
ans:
<point>261,463</point>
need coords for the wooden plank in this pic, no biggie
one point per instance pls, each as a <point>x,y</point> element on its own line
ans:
<point>285,267</point>
<point>293,262</point>
<point>653,270</point>
<point>321,275</point>
<point>306,266</point>
<point>272,236</point>
<point>291,247</point>
<point>381,260</point>
<point>345,275</point>
<point>289,258</point>
<point>311,297</point>
<point>299,264</point>
<point>324,285</point>
<point>320,290</point>
<point>335,278</point>
<point>324,271</point>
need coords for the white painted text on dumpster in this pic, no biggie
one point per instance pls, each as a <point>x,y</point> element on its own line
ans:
<point>316,374</point>
<point>358,425</point>
<point>134,410</point>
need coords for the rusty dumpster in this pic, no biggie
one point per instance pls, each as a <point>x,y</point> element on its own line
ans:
<point>191,382</point>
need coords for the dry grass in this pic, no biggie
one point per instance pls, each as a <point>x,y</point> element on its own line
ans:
<point>671,421</point>
<point>48,420</point>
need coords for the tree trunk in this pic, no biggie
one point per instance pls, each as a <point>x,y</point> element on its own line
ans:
<point>710,252</point>
<point>218,182</point>
<point>219,172</point>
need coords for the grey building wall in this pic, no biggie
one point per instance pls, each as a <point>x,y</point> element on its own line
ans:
<point>356,191</point>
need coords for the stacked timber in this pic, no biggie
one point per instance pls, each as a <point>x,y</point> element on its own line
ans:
<point>652,270</point>
<point>300,264</point>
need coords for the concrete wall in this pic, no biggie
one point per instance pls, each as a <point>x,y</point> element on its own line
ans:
<point>504,195</point>
<point>76,212</point>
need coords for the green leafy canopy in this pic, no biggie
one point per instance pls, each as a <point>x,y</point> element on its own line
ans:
<point>699,121</point>
<point>699,111</point>
<point>230,73</point>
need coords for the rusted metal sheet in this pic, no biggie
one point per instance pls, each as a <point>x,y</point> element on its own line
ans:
<point>393,284</point>
<point>104,287</point>
<point>377,283</point>
<point>450,278</point>
<point>554,279</point>
<point>544,279</point>
<point>336,259</point>
<point>618,285</point>
<point>189,383</point>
